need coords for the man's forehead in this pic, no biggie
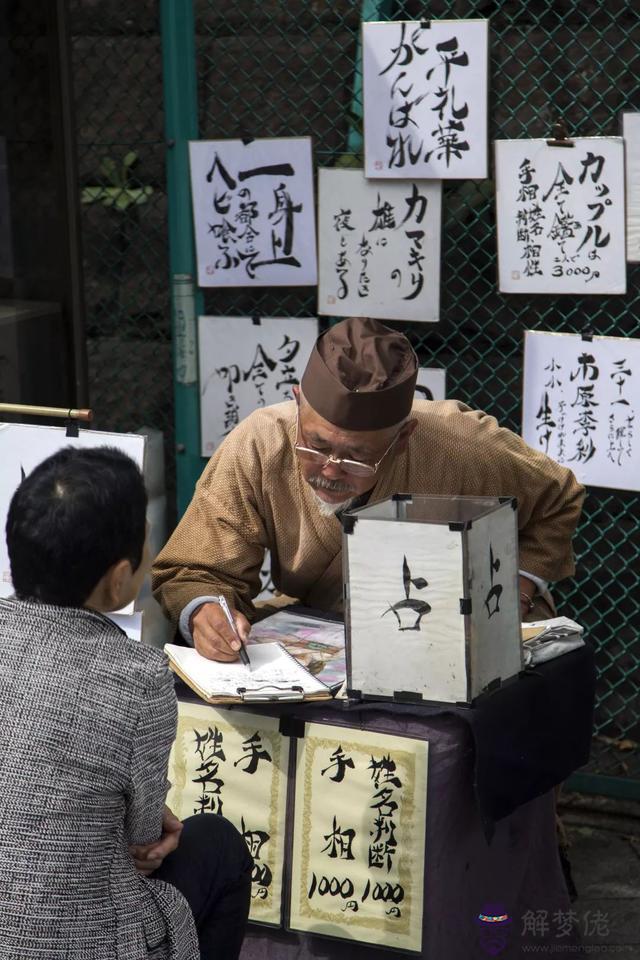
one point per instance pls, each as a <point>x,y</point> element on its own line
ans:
<point>315,426</point>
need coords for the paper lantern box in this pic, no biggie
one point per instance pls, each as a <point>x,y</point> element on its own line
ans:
<point>432,604</point>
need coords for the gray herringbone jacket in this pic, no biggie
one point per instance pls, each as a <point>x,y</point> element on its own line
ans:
<point>87,718</point>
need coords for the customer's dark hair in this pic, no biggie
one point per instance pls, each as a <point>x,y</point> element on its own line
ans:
<point>76,515</point>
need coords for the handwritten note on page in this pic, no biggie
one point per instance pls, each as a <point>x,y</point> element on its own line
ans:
<point>272,670</point>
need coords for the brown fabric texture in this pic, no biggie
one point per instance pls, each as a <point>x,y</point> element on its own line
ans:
<point>361,375</point>
<point>252,497</point>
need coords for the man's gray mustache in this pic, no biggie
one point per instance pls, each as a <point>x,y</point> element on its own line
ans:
<point>335,486</point>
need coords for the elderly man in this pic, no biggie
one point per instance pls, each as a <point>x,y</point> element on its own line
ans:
<point>353,433</point>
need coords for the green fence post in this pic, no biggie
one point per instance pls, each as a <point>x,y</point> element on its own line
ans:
<point>181,125</point>
<point>371,10</point>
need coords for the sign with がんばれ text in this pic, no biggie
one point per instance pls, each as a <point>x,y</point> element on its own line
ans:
<point>425,98</point>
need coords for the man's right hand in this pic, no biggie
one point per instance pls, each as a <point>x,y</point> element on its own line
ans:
<point>212,635</point>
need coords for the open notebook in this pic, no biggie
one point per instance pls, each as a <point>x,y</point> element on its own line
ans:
<point>274,675</point>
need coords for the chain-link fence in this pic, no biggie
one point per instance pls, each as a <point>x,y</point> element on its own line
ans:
<point>288,67</point>
<point>117,77</point>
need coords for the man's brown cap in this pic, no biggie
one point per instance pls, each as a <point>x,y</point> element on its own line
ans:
<point>361,375</point>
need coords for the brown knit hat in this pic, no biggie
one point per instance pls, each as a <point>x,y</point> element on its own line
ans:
<point>361,375</point>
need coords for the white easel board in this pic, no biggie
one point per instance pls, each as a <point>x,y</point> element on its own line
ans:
<point>23,446</point>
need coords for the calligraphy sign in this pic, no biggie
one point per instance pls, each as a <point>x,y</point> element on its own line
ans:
<point>236,764</point>
<point>245,365</point>
<point>253,212</point>
<point>359,836</point>
<point>580,405</point>
<point>379,247</point>
<point>425,98</point>
<point>561,216</point>
<point>24,446</point>
<point>631,135</point>
<point>431,383</point>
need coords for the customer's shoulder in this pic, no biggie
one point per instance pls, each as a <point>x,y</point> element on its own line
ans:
<point>131,663</point>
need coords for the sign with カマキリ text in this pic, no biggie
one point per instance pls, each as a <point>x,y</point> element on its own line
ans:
<point>425,98</point>
<point>561,216</point>
<point>580,405</point>
<point>359,836</point>
<point>379,246</point>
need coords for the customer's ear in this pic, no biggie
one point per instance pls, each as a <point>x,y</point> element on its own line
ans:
<point>117,582</point>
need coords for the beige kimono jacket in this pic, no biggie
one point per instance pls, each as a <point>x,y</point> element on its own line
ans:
<point>252,497</point>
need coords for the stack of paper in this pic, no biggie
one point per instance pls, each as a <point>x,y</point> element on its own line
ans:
<point>546,639</point>
<point>273,675</point>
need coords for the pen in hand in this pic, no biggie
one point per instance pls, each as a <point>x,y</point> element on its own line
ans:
<point>244,656</point>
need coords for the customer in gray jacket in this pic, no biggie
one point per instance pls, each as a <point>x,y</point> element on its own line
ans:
<point>91,861</point>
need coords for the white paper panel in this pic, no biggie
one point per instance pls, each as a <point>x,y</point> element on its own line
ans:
<point>561,216</point>
<point>495,643</point>
<point>631,134</point>
<point>425,98</point>
<point>244,365</point>
<point>379,247</point>
<point>358,853</point>
<point>581,400</point>
<point>253,211</point>
<point>235,764</point>
<point>388,653</point>
<point>131,624</point>
<point>431,383</point>
<point>23,446</point>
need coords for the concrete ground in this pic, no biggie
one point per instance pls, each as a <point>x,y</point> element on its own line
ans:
<point>604,851</point>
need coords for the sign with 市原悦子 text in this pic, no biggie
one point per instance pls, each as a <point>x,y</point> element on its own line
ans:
<point>580,405</point>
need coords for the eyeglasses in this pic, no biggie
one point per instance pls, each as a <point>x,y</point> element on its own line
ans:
<point>354,467</point>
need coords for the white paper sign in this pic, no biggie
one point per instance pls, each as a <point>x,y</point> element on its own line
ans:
<point>23,446</point>
<point>379,247</point>
<point>581,400</point>
<point>431,383</point>
<point>425,98</point>
<point>631,134</point>
<point>561,216</point>
<point>253,212</point>
<point>358,856</point>
<point>246,365</point>
<point>236,764</point>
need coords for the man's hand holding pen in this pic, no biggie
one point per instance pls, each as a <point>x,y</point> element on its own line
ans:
<point>213,635</point>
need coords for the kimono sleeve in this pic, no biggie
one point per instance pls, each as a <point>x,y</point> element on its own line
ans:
<point>154,734</point>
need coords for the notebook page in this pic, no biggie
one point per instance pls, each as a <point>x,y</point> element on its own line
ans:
<point>272,669</point>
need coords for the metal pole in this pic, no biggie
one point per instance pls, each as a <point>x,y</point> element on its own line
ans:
<point>181,125</point>
<point>370,10</point>
<point>60,413</point>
